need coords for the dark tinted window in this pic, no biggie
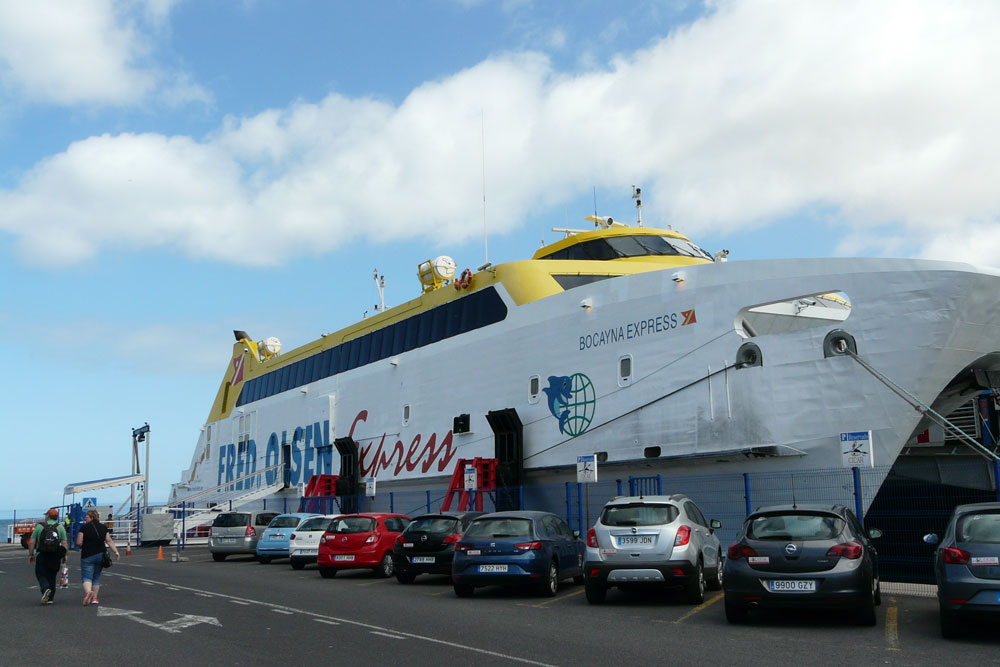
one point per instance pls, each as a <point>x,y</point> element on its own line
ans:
<point>795,526</point>
<point>639,514</point>
<point>352,524</point>
<point>264,518</point>
<point>500,527</point>
<point>364,349</point>
<point>232,520</point>
<point>638,245</point>
<point>979,528</point>
<point>284,522</point>
<point>567,281</point>
<point>434,525</point>
<point>695,513</point>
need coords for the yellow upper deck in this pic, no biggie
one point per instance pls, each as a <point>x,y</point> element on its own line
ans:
<point>579,258</point>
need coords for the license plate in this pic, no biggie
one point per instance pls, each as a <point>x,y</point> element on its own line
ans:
<point>422,559</point>
<point>344,557</point>
<point>407,545</point>
<point>278,536</point>
<point>228,539</point>
<point>759,560</point>
<point>985,560</point>
<point>629,540</point>
<point>792,585</point>
<point>492,568</point>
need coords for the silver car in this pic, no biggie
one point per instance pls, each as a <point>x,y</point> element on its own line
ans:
<point>237,533</point>
<point>662,541</point>
<point>967,566</point>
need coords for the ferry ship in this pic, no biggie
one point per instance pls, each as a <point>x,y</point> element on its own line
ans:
<point>621,341</point>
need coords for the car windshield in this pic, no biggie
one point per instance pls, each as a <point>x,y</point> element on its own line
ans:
<point>316,523</point>
<point>284,522</point>
<point>499,527</point>
<point>352,524</point>
<point>639,514</point>
<point>231,520</point>
<point>795,526</point>
<point>979,528</point>
<point>435,525</point>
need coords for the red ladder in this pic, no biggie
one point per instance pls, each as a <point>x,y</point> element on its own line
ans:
<point>486,474</point>
<point>322,485</point>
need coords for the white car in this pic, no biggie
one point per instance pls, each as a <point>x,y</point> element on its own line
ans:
<point>303,545</point>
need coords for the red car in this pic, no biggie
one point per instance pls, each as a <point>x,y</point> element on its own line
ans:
<point>355,541</point>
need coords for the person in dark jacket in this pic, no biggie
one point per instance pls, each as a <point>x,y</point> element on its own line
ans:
<point>92,538</point>
<point>48,557</point>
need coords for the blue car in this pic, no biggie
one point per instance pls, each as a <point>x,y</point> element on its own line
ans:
<point>274,541</point>
<point>516,548</point>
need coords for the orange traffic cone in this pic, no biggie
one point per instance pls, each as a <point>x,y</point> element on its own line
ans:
<point>159,555</point>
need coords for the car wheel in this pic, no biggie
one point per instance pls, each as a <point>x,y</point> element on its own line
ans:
<point>264,560</point>
<point>596,591</point>
<point>386,567</point>
<point>715,582</point>
<point>951,628</point>
<point>696,587</point>
<point>736,614</point>
<point>550,585</point>
<point>218,558</point>
<point>328,572</point>
<point>866,615</point>
<point>405,577</point>
<point>297,565</point>
<point>463,590</point>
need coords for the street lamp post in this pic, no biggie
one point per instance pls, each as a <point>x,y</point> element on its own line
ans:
<point>141,434</point>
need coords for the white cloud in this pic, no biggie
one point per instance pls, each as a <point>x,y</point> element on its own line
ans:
<point>882,113</point>
<point>68,52</point>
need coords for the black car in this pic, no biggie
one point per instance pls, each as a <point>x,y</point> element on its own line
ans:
<point>427,546</point>
<point>802,556</point>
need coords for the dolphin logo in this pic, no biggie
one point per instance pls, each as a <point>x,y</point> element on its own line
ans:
<point>559,392</point>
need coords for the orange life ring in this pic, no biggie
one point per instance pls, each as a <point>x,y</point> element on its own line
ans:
<point>463,281</point>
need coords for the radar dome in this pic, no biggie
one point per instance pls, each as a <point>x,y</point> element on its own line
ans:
<point>270,346</point>
<point>444,267</point>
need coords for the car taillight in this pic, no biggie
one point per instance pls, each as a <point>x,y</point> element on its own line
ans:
<point>740,550</point>
<point>683,536</point>
<point>954,556</point>
<point>371,538</point>
<point>462,546</point>
<point>850,550</point>
<point>399,540</point>
<point>292,537</point>
<point>528,546</point>
<point>452,539</point>
<point>323,539</point>
<point>250,532</point>
<point>592,539</point>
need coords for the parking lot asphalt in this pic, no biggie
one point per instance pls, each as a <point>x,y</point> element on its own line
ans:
<point>238,612</point>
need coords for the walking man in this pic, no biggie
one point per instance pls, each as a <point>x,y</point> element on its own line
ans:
<point>50,538</point>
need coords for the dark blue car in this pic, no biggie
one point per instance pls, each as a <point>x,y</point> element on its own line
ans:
<point>516,548</point>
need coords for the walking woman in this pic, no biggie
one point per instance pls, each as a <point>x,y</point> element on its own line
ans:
<point>91,540</point>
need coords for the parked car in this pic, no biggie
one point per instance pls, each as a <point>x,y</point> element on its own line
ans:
<point>662,541</point>
<point>237,533</point>
<point>275,540</point>
<point>967,566</point>
<point>355,541</point>
<point>505,548</point>
<point>427,546</point>
<point>303,543</point>
<point>803,556</point>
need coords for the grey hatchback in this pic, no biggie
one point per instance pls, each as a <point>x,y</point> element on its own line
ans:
<point>237,533</point>
<point>662,541</point>
<point>802,556</point>
<point>967,565</point>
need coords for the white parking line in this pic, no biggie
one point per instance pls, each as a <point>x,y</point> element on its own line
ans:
<point>348,621</point>
<point>323,620</point>
<point>282,611</point>
<point>240,602</point>
<point>387,634</point>
<point>204,595</point>
<point>147,583</point>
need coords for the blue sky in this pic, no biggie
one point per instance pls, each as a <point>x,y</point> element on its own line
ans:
<point>172,170</point>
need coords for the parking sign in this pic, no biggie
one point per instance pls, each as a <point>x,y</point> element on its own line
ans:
<point>856,449</point>
<point>586,469</point>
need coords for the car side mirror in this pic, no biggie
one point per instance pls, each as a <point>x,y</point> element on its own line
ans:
<point>576,533</point>
<point>931,538</point>
<point>715,524</point>
<point>874,533</point>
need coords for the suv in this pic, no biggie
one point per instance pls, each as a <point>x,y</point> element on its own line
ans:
<point>237,533</point>
<point>653,541</point>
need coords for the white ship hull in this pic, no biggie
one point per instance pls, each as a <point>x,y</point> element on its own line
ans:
<point>920,323</point>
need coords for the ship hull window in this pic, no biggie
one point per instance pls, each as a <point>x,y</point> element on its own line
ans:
<point>569,281</point>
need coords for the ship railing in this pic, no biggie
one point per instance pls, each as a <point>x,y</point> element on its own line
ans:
<point>189,501</point>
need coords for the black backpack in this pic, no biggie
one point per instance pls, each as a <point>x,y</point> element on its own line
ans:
<point>48,540</point>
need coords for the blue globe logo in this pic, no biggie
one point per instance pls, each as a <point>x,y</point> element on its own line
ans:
<point>572,400</point>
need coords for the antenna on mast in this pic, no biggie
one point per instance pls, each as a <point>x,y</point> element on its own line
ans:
<point>595,201</point>
<point>380,287</point>
<point>486,241</point>
<point>637,196</point>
